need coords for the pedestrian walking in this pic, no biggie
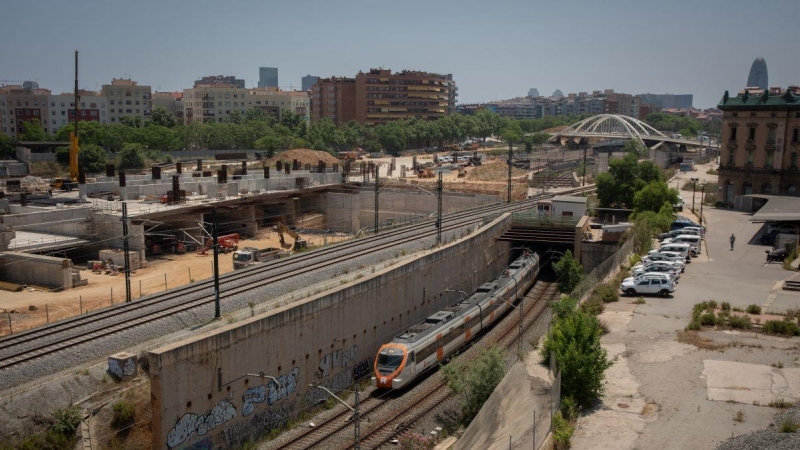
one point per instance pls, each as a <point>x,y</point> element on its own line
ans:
<point>733,239</point>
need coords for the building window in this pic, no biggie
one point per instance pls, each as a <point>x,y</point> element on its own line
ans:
<point>793,161</point>
<point>750,156</point>
<point>731,156</point>
<point>795,136</point>
<point>770,156</point>
<point>771,137</point>
<point>733,133</point>
<point>752,135</point>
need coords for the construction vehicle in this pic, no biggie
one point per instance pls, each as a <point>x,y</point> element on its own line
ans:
<point>72,182</point>
<point>249,256</point>
<point>298,243</point>
<point>425,173</point>
<point>225,243</point>
<point>349,156</point>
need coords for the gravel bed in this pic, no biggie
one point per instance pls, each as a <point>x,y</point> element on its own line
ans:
<point>300,286</point>
<point>769,439</point>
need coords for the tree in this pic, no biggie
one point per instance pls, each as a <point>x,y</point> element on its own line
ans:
<point>7,149</point>
<point>634,147</point>
<point>620,183</point>
<point>131,157</point>
<point>574,339</point>
<point>32,131</point>
<point>92,157</point>
<point>475,380</point>
<point>272,143</point>
<point>569,272</point>
<point>131,121</point>
<point>163,118</point>
<point>654,196</point>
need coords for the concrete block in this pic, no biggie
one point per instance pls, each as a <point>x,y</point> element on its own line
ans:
<point>118,257</point>
<point>123,365</point>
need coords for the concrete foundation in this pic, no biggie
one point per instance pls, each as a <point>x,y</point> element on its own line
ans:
<point>123,365</point>
<point>206,392</point>
<point>38,270</point>
<point>118,257</point>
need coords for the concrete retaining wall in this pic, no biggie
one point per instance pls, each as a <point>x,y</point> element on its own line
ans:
<point>39,270</point>
<point>203,397</point>
<point>67,222</point>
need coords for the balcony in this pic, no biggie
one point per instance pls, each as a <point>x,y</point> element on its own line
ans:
<point>770,145</point>
<point>733,143</point>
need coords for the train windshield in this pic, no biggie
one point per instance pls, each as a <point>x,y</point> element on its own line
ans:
<point>388,363</point>
<point>241,257</point>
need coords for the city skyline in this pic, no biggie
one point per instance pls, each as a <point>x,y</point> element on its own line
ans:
<point>494,52</point>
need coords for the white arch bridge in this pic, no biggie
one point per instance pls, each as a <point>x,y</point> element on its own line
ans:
<point>614,127</point>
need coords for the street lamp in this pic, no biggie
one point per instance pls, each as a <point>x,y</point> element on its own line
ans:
<point>702,199</point>
<point>356,415</point>
<point>694,190</point>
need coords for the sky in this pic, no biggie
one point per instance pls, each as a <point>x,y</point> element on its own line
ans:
<point>495,49</point>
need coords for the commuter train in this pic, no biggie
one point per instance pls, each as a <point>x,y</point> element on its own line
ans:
<point>429,342</point>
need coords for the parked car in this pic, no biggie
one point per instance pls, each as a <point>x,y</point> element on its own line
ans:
<point>673,273</point>
<point>669,259</point>
<point>678,206</point>
<point>768,237</point>
<point>647,285</point>
<point>659,275</point>
<point>677,257</point>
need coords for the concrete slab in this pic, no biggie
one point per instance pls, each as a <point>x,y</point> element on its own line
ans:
<point>732,381</point>
<point>663,351</point>
<point>32,241</point>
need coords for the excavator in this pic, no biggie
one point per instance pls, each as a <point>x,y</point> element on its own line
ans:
<point>298,243</point>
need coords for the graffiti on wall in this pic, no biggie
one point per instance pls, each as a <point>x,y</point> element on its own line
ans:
<point>126,370</point>
<point>201,424</point>
<point>362,369</point>
<point>236,435</point>
<point>334,359</point>
<point>271,393</point>
<point>345,359</point>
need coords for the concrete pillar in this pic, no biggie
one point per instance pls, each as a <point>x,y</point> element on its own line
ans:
<point>199,165</point>
<point>178,167</point>
<point>244,167</point>
<point>156,172</point>
<point>266,172</point>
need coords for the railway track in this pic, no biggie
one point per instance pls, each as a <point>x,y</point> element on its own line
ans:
<point>23,347</point>
<point>399,420</point>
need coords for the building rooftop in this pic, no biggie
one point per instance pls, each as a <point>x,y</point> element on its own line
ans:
<point>774,98</point>
<point>569,199</point>
<point>777,208</point>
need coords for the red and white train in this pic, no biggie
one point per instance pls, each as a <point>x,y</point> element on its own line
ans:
<point>427,343</point>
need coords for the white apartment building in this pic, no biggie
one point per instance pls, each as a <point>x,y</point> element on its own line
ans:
<point>207,103</point>
<point>92,107</point>
<point>19,105</point>
<point>126,98</point>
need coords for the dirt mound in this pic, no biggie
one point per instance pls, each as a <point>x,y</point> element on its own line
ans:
<point>555,130</point>
<point>305,156</point>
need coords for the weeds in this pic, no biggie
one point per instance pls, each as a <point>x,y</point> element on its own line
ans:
<point>562,432</point>
<point>640,301</point>
<point>753,309</point>
<point>739,417</point>
<point>737,309</point>
<point>725,306</point>
<point>740,322</point>
<point>780,403</point>
<point>788,426</point>
<point>593,306</point>
<point>781,327</point>
<point>124,414</point>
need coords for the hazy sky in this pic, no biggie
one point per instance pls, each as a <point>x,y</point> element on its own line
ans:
<point>495,49</point>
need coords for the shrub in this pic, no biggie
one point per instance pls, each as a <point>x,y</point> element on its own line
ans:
<point>740,322</point>
<point>569,409</point>
<point>131,157</point>
<point>569,272</point>
<point>124,414</point>
<point>753,309</point>
<point>782,327</point>
<point>726,306</point>
<point>593,306</point>
<point>737,309</point>
<point>476,379</point>
<point>712,305</point>
<point>66,420</point>
<point>788,426</point>
<point>708,319</point>
<point>562,432</point>
<point>606,293</point>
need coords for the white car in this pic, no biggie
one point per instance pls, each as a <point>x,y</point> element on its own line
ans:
<point>659,275</point>
<point>648,285</point>
<point>673,273</point>
<point>666,256</point>
<point>663,259</point>
<point>676,257</point>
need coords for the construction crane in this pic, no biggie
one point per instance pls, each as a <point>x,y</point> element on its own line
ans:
<point>72,182</point>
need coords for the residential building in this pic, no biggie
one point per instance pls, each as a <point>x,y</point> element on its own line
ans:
<point>334,98</point>
<point>307,82</point>
<point>666,101</point>
<point>216,103</point>
<point>760,143</point>
<point>758,76</point>
<point>533,92</point>
<point>20,105</point>
<point>383,96</point>
<point>220,80</point>
<point>127,98</point>
<point>171,101</point>
<point>91,107</point>
<point>267,77</point>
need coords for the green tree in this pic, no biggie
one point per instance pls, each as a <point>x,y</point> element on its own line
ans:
<point>132,121</point>
<point>7,149</point>
<point>575,341</point>
<point>475,380</point>
<point>634,147</point>
<point>620,183</point>
<point>92,157</point>
<point>654,196</point>
<point>487,123</point>
<point>569,272</point>
<point>163,118</point>
<point>32,131</point>
<point>131,157</point>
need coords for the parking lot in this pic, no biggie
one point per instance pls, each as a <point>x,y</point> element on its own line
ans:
<point>686,390</point>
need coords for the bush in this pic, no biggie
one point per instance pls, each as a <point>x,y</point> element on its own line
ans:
<point>606,293</point>
<point>740,322</point>
<point>788,426</point>
<point>131,158</point>
<point>575,341</point>
<point>569,272</point>
<point>712,305</point>
<point>593,306</point>
<point>563,307</point>
<point>124,414</point>
<point>708,319</point>
<point>726,306</point>
<point>781,327</point>
<point>753,309</point>
<point>562,432</point>
<point>93,158</point>
<point>475,380</point>
<point>66,420</point>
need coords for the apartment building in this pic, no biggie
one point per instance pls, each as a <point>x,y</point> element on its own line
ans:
<point>127,98</point>
<point>383,96</point>
<point>760,143</point>
<point>334,98</point>
<point>171,101</point>
<point>92,107</point>
<point>308,81</point>
<point>19,105</point>
<point>220,80</point>
<point>216,103</point>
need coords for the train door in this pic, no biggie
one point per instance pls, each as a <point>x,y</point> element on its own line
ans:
<point>411,364</point>
<point>468,329</point>
<point>439,348</point>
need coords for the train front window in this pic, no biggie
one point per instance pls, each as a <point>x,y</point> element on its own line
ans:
<point>388,363</point>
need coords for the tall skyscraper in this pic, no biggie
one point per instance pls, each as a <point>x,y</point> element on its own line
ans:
<point>758,74</point>
<point>309,81</point>
<point>267,77</point>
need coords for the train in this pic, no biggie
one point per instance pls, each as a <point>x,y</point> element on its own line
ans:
<point>425,344</point>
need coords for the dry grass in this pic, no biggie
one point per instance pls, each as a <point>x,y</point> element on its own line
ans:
<point>493,172</point>
<point>137,437</point>
<point>694,338</point>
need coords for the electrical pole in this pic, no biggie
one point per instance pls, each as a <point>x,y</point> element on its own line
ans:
<point>357,426</point>
<point>510,154</point>
<point>217,313</point>
<point>377,169</point>
<point>126,249</point>
<point>584,167</point>
<point>439,189</point>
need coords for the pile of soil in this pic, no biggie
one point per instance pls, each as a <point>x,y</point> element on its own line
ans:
<point>555,130</point>
<point>305,156</point>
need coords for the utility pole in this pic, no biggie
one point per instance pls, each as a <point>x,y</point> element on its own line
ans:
<point>217,313</point>
<point>357,425</point>
<point>126,249</point>
<point>584,167</point>
<point>439,189</point>
<point>510,154</point>
<point>377,187</point>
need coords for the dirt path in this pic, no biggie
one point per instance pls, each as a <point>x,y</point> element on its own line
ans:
<point>150,280</point>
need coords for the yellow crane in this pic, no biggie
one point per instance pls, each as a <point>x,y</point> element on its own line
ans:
<point>64,183</point>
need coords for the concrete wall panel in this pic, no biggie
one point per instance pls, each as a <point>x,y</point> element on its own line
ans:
<point>330,338</point>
